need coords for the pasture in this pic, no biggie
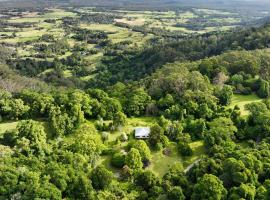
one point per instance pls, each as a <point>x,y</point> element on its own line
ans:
<point>242,100</point>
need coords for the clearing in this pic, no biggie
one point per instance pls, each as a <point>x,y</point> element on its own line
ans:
<point>242,100</point>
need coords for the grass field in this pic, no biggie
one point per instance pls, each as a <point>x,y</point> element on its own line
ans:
<point>7,126</point>
<point>242,100</point>
<point>161,163</point>
<point>11,125</point>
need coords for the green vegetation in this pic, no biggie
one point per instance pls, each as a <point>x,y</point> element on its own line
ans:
<point>242,100</point>
<point>7,126</point>
<point>76,84</point>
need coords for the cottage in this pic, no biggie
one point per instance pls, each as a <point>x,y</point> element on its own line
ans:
<point>142,132</point>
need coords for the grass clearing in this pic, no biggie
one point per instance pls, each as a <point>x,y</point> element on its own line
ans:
<point>6,126</point>
<point>161,163</point>
<point>242,100</point>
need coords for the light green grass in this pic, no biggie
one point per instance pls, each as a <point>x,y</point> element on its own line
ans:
<point>102,27</point>
<point>54,14</point>
<point>161,163</point>
<point>242,100</point>
<point>129,127</point>
<point>198,151</point>
<point>6,126</point>
<point>11,125</point>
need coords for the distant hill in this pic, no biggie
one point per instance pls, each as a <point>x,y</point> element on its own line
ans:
<point>162,4</point>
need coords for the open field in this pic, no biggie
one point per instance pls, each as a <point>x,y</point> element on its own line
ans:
<point>6,126</point>
<point>242,100</point>
<point>139,28</point>
<point>160,163</point>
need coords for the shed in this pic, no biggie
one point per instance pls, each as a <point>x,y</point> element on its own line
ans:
<point>142,132</point>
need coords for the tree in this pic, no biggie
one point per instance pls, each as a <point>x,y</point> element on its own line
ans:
<point>87,141</point>
<point>134,159</point>
<point>245,191</point>
<point>12,108</point>
<point>166,102</point>
<point>235,173</point>
<point>111,106</point>
<point>9,177</point>
<point>118,160</point>
<point>18,109</point>
<point>220,79</point>
<point>221,129</point>
<point>101,177</point>
<point>156,134</point>
<point>146,180</point>
<point>176,193</point>
<point>31,138</point>
<point>119,119</point>
<point>58,175</point>
<point>34,186</point>
<point>267,188</point>
<point>225,95</point>
<point>136,102</point>
<point>264,89</point>
<point>209,187</point>
<point>60,122</point>
<point>144,150</point>
<point>184,148</point>
<point>81,187</point>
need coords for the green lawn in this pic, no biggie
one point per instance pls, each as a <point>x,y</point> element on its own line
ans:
<point>11,125</point>
<point>7,126</point>
<point>161,163</point>
<point>242,100</point>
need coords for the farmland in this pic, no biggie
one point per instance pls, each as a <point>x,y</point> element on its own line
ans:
<point>154,102</point>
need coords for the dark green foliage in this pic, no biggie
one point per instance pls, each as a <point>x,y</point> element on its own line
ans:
<point>176,194</point>
<point>221,130</point>
<point>146,179</point>
<point>134,159</point>
<point>264,89</point>
<point>184,83</point>
<point>225,95</point>
<point>156,135</point>
<point>101,177</point>
<point>184,148</point>
<point>245,191</point>
<point>118,160</point>
<point>31,138</point>
<point>209,187</point>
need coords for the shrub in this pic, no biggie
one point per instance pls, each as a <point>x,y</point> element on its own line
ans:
<point>118,160</point>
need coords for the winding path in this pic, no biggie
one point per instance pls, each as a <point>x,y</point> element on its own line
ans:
<point>191,166</point>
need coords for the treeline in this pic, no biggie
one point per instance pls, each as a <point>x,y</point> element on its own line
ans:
<point>98,18</point>
<point>61,162</point>
<point>134,65</point>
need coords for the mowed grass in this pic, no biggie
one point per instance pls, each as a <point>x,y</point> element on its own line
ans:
<point>54,14</point>
<point>11,125</point>
<point>161,163</point>
<point>242,100</point>
<point>6,126</point>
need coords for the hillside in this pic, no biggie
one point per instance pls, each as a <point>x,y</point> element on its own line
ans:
<point>77,84</point>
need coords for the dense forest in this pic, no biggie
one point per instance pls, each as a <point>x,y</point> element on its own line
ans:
<point>74,85</point>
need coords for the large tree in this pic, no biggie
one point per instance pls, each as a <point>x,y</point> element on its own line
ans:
<point>134,159</point>
<point>209,187</point>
